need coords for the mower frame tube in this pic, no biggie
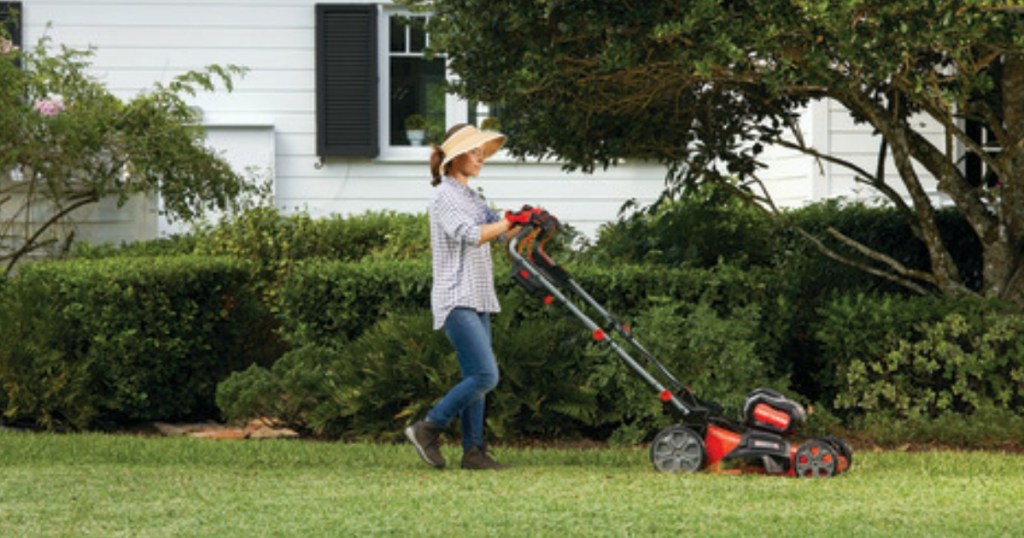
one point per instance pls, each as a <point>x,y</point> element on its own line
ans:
<point>591,325</point>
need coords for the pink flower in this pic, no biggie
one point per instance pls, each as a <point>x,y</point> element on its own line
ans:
<point>49,106</point>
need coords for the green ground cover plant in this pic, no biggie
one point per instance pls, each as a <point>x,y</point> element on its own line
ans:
<point>103,485</point>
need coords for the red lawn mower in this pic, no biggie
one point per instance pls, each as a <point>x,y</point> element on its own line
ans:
<point>702,438</point>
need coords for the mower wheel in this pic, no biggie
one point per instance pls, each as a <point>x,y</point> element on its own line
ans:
<point>815,459</point>
<point>840,447</point>
<point>678,449</point>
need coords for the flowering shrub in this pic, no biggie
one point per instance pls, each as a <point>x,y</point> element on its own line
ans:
<point>49,106</point>
<point>67,142</point>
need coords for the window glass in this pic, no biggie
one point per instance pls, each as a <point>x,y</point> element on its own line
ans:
<point>397,31</point>
<point>418,38</point>
<point>484,116</point>
<point>417,89</point>
<point>416,92</point>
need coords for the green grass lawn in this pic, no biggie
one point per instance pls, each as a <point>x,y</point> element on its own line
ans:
<point>96,485</point>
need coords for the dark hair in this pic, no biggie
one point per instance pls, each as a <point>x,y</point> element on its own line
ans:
<point>437,157</point>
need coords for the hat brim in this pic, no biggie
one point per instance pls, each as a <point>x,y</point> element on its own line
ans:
<point>469,138</point>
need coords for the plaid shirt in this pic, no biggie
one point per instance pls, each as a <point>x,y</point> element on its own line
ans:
<point>463,271</point>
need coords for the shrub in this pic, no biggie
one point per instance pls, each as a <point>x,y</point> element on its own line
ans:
<point>329,303</point>
<point>699,230</point>
<point>274,242</point>
<point>987,427</point>
<point>545,390</point>
<point>555,383</point>
<point>716,354</point>
<point>327,300</point>
<point>367,389</point>
<point>881,228</point>
<point>294,391</point>
<point>948,365</point>
<point>264,235</point>
<point>922,356</point>
<point>93,343</point>
<point>399,367</point>
<point>711,225</point>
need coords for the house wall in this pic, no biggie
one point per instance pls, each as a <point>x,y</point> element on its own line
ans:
<point>140,42</point>
<point>797,179</point>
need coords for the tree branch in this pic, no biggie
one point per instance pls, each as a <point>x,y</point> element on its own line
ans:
<point>30,244</point>
<point>772,212</point>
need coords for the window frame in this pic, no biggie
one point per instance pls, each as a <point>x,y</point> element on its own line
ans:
<point>456,109</point>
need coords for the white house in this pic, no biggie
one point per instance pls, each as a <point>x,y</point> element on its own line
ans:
<point>367,75</point>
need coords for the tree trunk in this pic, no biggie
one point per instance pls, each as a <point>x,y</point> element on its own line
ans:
<point>1003,267</point>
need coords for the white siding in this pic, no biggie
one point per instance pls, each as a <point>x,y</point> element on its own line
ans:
<point>790,176</point>
<point>858,145</point>
<point>796,179</point>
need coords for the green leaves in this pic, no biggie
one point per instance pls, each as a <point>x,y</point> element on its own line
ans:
<point>923,357</point>
<point>66,142</point>
<point>88,344</point>
<point>702,85</point>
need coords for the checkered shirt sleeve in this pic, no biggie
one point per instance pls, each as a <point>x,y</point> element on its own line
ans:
<point>463,270</point>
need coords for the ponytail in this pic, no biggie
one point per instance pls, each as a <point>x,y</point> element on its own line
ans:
<point>436,158</point>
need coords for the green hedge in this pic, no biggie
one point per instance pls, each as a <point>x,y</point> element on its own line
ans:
<point>325,300</point>
<point>264,235</point>
<point>882,228</point>
<point>725,299</point>
<point>710,226</point>
<point>723,330</point>
<point>90,344</point>
<point>328,301</point>
<point>378,370</point>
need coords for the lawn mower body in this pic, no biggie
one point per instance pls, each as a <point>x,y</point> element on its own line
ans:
<point>762,441</point>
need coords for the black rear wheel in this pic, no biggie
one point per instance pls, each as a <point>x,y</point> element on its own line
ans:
<point>815,459</point>
<point>678,449</point>
<point>841,448</point>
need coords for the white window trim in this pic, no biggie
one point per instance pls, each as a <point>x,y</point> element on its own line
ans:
<point>456,108</point>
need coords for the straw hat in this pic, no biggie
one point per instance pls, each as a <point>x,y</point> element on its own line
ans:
<point>469,138</point>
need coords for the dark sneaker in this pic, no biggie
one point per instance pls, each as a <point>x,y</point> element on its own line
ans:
<point>426,437</point>
<point>477,458</point>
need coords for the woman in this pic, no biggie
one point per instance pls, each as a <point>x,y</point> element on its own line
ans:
<point>463,298</point>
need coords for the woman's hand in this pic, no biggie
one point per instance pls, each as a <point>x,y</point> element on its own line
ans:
<point>490,232</point>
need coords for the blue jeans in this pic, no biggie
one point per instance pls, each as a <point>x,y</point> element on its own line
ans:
<point>469,332</point>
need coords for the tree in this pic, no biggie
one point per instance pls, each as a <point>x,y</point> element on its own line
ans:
<point>704,85</point>
<point>67,142</point>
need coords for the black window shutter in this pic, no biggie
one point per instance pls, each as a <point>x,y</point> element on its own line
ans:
<point>346,80</point>
<point>10,17</point>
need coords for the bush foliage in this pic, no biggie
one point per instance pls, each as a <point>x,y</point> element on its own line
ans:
<point>335,338</point>
<point>93,344</point>
<point>921,358</point>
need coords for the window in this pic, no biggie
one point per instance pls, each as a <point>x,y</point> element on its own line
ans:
<point>10,18</point>
<point>416,97</point>
<point>975,169</point>
<point>374,80</point>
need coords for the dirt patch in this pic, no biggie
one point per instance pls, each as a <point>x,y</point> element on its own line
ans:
<point>260,428</point>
